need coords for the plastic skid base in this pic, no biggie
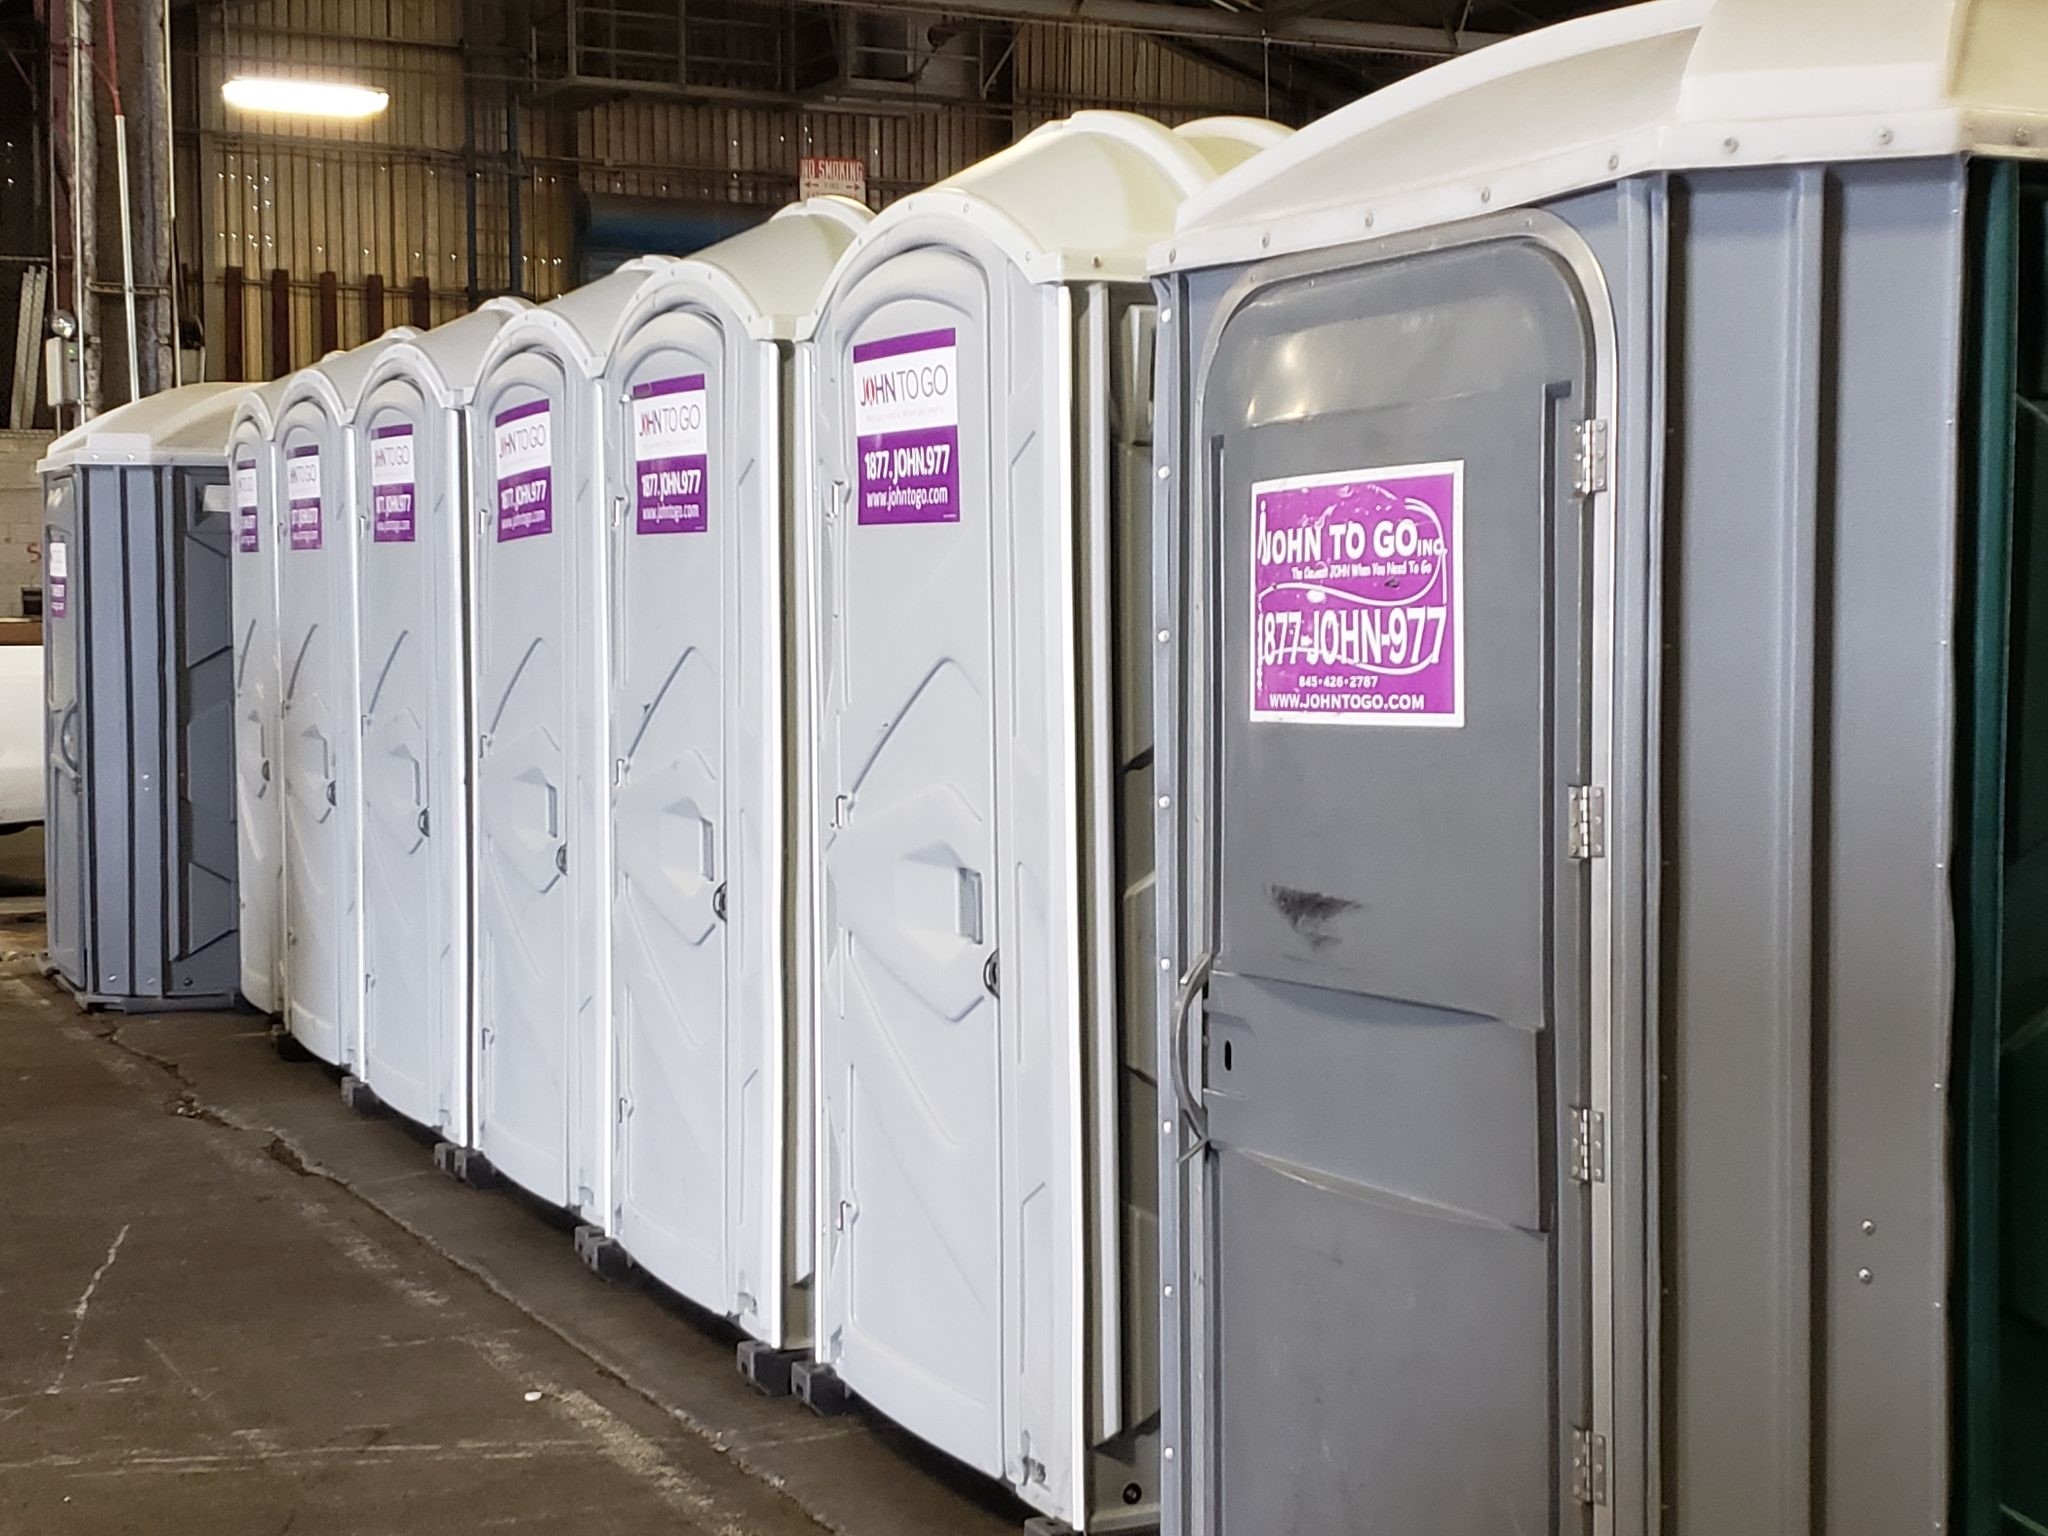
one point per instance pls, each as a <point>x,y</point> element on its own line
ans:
<point>602,1255</point>
<point>768,1371</point>
<point>818,1388</point>
<point>360,1096</point>
<point>1045,1525</point>
<point>286,1044</point>
<point>465,1165</point>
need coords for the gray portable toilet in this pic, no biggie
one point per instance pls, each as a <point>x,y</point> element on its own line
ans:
<point>319,697</point>
<point>408,443</point>
<point>978,377</point>
<point>1584,469</point>
<point>259,786</point>
<point>539,654</point>
<point>710,1192</point>
<point>139,824</point>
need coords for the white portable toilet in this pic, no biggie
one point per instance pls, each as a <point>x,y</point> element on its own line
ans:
<point>539,483</point>
<point>259,784</point>
<point>980,371</point>
<point>710,1188</point>
<point>319,692</point>
<point>408,441</point>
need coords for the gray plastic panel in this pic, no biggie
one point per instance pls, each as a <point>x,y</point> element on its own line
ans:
<point>1398,1022</point>
<point>65,846</point>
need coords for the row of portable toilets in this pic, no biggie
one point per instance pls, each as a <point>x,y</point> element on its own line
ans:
<point>1359,943</point>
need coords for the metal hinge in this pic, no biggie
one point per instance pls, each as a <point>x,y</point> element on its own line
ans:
<point>1589,1146</point>
<point>1589,458</point>
<point>1589,1467</point>
<point>1586,833</point>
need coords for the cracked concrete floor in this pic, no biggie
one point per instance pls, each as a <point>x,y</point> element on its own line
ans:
<point>228,1305</point>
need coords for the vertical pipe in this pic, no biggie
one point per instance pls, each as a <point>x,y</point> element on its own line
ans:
<point>280,322</point>
<point>135,390</point>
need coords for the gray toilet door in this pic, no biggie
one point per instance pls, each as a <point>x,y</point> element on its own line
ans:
<point>64,809</point>
<point>1397,1021</point>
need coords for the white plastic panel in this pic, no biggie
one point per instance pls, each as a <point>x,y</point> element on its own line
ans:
<point>949,1010</point>
<point>312,487</point>
<point>673,595</point>
<point>407,451</point>
<point>259,788</point>
<point>537,653</point>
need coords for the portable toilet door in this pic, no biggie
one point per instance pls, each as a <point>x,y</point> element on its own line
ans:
<point>407,440</point>
<point>710,1144</point>
<point>976,366</point>
<point>537,476</point>
<point>320,693</point>
<point>139,833</point>
<point>1569,825</point>
<point>259,784</point>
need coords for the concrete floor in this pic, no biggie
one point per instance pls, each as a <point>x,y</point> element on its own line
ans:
<point>228,1304</point>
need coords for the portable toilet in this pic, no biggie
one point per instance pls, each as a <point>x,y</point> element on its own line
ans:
<point>409,450</point>
<point>139,819</point>
<point>320,699</point>
<point>979,374</point>
<point>259,786</point>
<point>539,658</point>
<point>710,1193</point>
<point>1587,503</point>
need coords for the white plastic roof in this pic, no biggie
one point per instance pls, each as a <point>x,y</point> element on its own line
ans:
<point>447,360</point>
<point>256,410</point>
<point>337,380</point>
<point>1082,198</point>
<point>1670,85</point>
<point>772,273</point>
<point>583,323</point>
<point>182,426</point>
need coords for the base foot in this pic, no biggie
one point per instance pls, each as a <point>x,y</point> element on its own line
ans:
<point>768,1371</point>
<point>818,1388</point>
<point>360,1096</point>
<point>465,1165</point>
<point>287,1045</point>
<point>602,1255</point>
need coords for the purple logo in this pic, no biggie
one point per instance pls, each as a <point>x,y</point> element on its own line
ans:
<point>302,496</point>
<point>671,456</point>
<point>523,456</point>
<point>392,486</point>
<point>906,426</point>
<point>1357,597</point>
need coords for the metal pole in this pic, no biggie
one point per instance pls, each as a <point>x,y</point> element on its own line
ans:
<point>127,251</point>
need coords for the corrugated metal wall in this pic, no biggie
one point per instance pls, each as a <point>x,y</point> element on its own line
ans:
<point>390,198</point>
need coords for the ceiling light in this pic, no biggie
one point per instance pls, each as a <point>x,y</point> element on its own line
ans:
<point>304,98</point>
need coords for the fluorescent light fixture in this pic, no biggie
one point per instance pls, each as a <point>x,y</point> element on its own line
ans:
<point>304,98</point>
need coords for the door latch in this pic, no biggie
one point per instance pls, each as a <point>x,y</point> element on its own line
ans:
<point>718,902</point>
<point>561,858</point>
<point>422,822</point>
<point>330,791</point>
<point>992,973</point>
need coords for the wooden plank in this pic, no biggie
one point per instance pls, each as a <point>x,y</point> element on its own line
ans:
<point>422,304</point>
<point>330,313</point>
<point>233,359</point>
<point>280,322</point>
<point>373,306</point>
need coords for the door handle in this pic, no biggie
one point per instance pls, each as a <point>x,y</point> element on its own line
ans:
<point>421,823</point>
<point>992,973</point>
<point>330,791</point>
<point>718,902</point>
<point>561,858</point>
<point>1193,1113</point>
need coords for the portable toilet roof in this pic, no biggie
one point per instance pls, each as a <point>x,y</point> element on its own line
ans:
<point>584,322</point>
<point>174,425</point>
<point>337,380</point>
<point>447,360</point>
<point>1669,85</point>
<point>257,408</point>
<point>769,275</point>
<point>1081,198</point>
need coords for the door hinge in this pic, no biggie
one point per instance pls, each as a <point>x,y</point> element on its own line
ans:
<point>1586,834</point>
<point>1589,458</point>
<point>1589,1467</point>
<point>1589,1146</point>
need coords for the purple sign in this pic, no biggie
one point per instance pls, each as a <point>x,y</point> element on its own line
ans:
<point>248,527</point>
<point>523,458</point>
<point>671,455</point>
<point>906,426</point>
<point>391,484</point>
<point>1357,597</point>
<point>302,496</point>
<point>60,579</point>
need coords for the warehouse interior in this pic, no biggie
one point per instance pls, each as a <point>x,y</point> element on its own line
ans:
<point>640,888</point>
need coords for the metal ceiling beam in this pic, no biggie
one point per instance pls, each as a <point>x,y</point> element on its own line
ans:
<point>1205,21</point>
